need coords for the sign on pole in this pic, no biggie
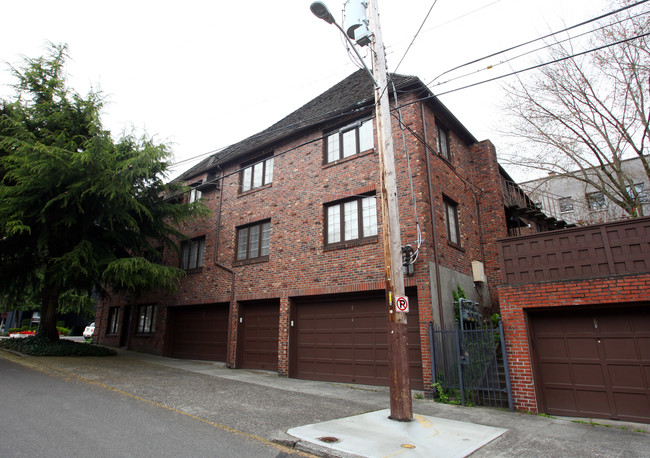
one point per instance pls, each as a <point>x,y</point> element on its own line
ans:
<point>402,304</point>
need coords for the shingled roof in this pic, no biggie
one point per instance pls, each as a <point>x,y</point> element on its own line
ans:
<point>353,93</point>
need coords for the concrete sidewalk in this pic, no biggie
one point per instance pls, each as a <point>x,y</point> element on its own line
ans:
<point>332,419</point>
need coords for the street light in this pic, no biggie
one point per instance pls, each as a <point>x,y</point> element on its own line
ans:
<point>321,12</point>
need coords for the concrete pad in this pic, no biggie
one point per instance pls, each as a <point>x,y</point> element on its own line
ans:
<point>375,435</point>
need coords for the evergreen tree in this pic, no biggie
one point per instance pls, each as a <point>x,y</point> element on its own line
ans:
<point>80,212</point>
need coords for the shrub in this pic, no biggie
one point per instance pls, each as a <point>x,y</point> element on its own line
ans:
<point>41,346</point>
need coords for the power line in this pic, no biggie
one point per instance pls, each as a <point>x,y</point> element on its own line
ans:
<point>416,35</point>
<point>548,46</point>
<point>516,72</point>
<point>602,16</point>
<point>324,117</point>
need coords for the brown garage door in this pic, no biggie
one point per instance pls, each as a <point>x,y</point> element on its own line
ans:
<point>258,335</point>
<point>199,332</point>
<point>345,340</point>
<point>594,363</point>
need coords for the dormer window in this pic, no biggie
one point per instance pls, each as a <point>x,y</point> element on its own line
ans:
<point>257,174</point>
<point>194,194</point>
<point>352,139</point>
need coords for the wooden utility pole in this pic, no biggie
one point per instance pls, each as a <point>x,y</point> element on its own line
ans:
<point>401,404</point>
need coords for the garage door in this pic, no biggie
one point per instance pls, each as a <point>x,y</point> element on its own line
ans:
<point>258,335</point>
<point>345,340</point>
<point>199,332</point>
<point>594,363</point>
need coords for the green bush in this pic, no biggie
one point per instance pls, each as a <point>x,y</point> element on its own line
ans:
<point>41,346</point>
<point>22,328</point>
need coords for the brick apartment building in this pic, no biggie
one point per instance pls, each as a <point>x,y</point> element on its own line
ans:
<point>287,273</point>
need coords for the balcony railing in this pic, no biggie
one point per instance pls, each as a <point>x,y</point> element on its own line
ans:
<point>541,208</point>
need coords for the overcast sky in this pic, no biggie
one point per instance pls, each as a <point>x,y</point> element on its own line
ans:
<point>204,74</point>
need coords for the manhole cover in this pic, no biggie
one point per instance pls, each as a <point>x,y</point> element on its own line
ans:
<point>329,439</point>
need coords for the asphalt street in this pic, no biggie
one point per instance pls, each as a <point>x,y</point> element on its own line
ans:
<point>141,404</point>
<point>61,416</point>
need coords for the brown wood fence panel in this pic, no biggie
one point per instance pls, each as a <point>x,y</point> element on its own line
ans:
<point>617,248</point>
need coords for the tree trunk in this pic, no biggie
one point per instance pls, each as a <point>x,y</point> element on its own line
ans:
<point>47,327</point>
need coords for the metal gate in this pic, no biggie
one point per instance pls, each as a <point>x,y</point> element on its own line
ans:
<point>471,366</point>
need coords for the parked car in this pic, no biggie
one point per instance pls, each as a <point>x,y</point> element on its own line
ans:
<point>89,331</point>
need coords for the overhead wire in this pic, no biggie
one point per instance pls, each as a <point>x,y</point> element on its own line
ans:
<point>323,117</point>
<point>549,35</point>
<point>413,257</point>
<point>317,118</point>
<point>534,67</point>
<point>541,48</point>
<point>415,36</point>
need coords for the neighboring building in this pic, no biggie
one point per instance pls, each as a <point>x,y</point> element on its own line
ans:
<point>288,272</point>
<point>576,313</point>
<point>573,200</point>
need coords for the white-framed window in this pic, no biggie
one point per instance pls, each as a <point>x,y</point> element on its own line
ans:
<point>146,319</point>
<point>352,219</point>
<point>254,241</point>
<point>596,201</point>
<point>566,204</point>
<point>352,139</point>
<point>638,191</point>
<point>256,175</point>
<point>192,252</point>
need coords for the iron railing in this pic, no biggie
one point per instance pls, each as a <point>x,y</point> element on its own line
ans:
<point>470,366</point>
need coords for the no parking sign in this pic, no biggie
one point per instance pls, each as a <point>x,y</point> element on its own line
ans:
<point>401,304</point>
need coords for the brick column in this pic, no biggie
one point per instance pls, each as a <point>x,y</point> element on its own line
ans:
<point>283,336</point>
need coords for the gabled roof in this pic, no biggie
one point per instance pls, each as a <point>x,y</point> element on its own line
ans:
<point>353,93</point>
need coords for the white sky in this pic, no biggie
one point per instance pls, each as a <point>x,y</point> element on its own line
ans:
<point>205,74</point>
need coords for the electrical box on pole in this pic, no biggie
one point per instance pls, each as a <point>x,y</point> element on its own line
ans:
<point>356,21</point>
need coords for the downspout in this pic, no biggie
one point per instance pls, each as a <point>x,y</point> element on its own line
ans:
<point>227,269</point>
<point>477,199</point>
<point>433,220</point>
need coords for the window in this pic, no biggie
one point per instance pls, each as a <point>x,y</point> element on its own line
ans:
<point>352,219</point>
<point>596,201</point>
<point>146,319</point>
<point>254,241</point>
<point>256,175</point>
<point>192,253</point>
<point>349,140</point>
<point>112,320</point>
<point>566,204</point>
<point>443,142</point>
<point>639,190</point>
<point>194,194</point>
<point>451,220</point>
